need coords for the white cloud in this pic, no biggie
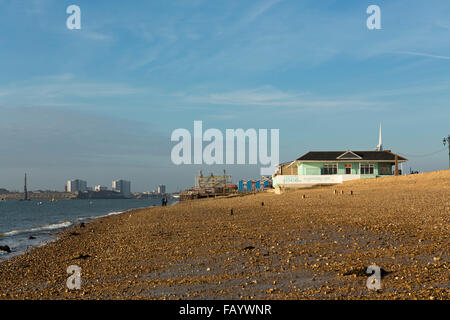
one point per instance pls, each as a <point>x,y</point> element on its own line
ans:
<point>443,24</point>
<point>65,88</point>
<point>268,96</point>
<point>51,135</point>
<point>421,54</point>
<point>57,77</point>
<point>259,10</point>
<point>96,35</point>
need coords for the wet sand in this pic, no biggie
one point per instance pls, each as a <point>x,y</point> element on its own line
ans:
<point>317,247</point>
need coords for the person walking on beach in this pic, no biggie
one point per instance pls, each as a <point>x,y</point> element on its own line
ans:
<point>164,201</point>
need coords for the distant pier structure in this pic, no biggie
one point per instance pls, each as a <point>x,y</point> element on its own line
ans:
<point>209,186</point>
<point>212,182</point>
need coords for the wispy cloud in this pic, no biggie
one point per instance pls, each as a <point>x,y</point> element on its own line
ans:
<point>64,89</point>
<point>265,95</point>
<point>268,96</point>
<point>57,77</point>
<point>92,35</point>
<point>421,54</point>
<point>443,24</point>
<point>51,135</point>
<point>418,89</point>
<point>260,9</point>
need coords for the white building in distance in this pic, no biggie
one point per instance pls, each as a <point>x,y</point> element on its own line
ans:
<point>98,188</point>
<point>76,185</point>
<point>161,189</point>
<point>122,186</point>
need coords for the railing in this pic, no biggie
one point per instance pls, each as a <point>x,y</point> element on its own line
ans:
<point>313,179</point>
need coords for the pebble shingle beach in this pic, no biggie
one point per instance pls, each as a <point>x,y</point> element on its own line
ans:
<point>305,244</point>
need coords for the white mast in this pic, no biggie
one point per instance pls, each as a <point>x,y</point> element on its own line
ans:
<point>380,145</point>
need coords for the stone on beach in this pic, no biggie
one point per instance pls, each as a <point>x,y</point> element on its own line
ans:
<point>5,248</point>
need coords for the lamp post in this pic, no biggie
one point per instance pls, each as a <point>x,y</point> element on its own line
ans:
<point>447,141</point>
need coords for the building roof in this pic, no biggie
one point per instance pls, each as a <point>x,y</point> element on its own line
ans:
<point>350,155</point>
<point>286,163</point>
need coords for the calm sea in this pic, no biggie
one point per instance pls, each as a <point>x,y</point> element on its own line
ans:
<point>21,221</point>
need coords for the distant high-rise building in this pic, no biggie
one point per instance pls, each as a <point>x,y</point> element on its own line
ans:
<point>76,185</point>
<point>122,186</point>
<point>161,189</point>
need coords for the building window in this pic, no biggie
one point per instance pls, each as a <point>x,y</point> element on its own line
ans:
<point>385,168</point>
<point>367,168</point>
<point>348,169</point>
<point>329,169</point>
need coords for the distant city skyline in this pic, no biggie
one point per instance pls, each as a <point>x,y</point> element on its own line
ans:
<point>73,185</point>
<point>102,102</point>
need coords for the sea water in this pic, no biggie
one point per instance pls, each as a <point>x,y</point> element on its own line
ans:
<point>26,224</point>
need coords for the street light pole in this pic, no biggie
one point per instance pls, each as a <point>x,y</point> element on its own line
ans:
<point>447,141</point>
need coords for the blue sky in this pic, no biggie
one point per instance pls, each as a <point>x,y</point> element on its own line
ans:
<point>100,103</point>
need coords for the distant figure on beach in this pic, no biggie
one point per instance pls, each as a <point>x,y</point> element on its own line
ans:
<point>164,202</point>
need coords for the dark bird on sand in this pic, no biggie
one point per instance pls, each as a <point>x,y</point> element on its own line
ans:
<point>81,256</point>
<point>362,272</point>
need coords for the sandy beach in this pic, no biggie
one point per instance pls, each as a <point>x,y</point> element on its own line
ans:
<point>305,244</point>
